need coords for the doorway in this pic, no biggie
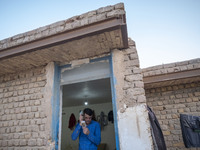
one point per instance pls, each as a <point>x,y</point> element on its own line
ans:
<point>91,84</point>
<point>97,94</point>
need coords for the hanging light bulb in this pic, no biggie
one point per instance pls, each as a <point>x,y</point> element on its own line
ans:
<point>86,103</point>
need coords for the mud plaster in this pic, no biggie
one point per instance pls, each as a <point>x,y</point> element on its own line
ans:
<point>134,129</point>
<point>118,68</point>
<point>47,105</point>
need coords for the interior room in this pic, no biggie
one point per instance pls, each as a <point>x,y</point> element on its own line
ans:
<point>94,94</point>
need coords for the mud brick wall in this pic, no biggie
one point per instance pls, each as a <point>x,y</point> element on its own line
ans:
<point>22,116</point>
<point>168,103</point>
<point>133,81</point>
<point>130,100</point>
<point>133,85</point>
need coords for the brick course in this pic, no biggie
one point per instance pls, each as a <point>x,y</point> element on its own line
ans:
<point>172,67</point>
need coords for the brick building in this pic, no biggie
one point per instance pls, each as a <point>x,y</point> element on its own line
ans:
<point>171,90</point>
<point>46,75</point>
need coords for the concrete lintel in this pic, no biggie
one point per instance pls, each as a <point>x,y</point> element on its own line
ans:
<point>96,28</point>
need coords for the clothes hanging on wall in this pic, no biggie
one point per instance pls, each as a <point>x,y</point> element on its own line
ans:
<point>94,116</point>
<point>102,119</point>
<point>157,134</point>
<point>72,121</point>
<point>190,126</point>
<point>110,116</point>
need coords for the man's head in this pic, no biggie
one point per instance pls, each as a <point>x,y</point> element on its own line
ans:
<point>88,115</point>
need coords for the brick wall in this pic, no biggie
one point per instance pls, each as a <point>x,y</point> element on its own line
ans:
<point>168,103</point>
<point>133,86</point>
<point>132,116</point>
<point>22,116</point>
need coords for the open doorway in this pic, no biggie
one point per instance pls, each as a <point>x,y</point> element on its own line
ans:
<point>97,94</point>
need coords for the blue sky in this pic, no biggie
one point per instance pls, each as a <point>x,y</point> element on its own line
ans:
<point>164,31</point>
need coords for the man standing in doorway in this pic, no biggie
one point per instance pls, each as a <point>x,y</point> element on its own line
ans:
<point>89,132</point>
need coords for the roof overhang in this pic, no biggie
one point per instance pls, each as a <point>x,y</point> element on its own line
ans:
<point>171,79</point>
<point>62,38</point>
<point>83,42</point>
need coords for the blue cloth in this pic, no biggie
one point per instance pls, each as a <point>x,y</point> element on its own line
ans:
<point>91,141</point>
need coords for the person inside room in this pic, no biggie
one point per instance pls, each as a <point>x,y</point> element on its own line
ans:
<point>88,131</point>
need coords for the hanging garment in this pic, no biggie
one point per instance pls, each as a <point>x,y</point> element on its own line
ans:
<point>157,134</point>
<point>110,116</point>
<point>94,116</point>
<point>190,126</point>
<point>72,121</point>
<point>103,120</point>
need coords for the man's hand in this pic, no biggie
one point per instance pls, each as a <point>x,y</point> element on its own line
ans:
<point>86,130</point>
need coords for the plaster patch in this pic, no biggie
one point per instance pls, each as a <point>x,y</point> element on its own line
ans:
<point>48,95</point>
<point>118,68</point>
<point>65,69</point>
<point>80,62</point>
<point>134,128</point>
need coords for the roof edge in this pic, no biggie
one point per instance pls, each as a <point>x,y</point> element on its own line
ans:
<point>91,17</point>
<point>92,29</point>
<point>171,68</point>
